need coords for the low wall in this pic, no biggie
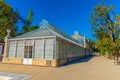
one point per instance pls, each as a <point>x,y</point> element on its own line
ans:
<point>68,60</point>
<point>39,62</point>
<point>50,63</point>
<point>13,60</point>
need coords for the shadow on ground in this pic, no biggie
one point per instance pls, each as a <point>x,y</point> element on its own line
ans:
<point>85,59</point>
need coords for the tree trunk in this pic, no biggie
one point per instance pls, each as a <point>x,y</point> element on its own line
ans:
<point>111,36</point>
<point>116,58</point>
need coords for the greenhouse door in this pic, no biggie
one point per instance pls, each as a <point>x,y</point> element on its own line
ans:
<point>27,55</point>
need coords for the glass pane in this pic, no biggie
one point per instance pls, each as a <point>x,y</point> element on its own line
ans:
<point>20,49</point>
<point>30,51</point>
<point>48,48</point>
<point>11,49</point>
<point>39,48</point>
<point>26,52</point>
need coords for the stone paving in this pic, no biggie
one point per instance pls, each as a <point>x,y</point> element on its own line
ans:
<point>92,68</point>
<point>14,76</point>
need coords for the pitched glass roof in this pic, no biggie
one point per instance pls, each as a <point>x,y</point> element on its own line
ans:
<point>46,29</point>
<point>78,37</point>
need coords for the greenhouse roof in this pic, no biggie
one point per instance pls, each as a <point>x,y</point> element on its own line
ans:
<point>46,29</point>
<point>78,37</point>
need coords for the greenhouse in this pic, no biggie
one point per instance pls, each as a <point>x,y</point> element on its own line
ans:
<point>46,46</point>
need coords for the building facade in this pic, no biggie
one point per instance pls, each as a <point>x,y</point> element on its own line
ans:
<point>46,46</point>
<point>83,41</point>
<point>1,48</point>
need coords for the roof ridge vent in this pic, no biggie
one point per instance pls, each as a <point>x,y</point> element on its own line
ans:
<point>44,23</point>
<point>76,32</point>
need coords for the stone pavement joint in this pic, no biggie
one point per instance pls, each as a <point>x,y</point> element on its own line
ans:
<point>15,76</point>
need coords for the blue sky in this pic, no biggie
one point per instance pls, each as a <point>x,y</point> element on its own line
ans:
<point>67,15</point>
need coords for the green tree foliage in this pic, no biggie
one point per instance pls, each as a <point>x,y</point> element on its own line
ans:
<point>118,24</point>
<point>92,46</point>
<point>105,46</point>
<point>27,23</point>
<point>103,22</point>
<point>106,29</point>
<point>8,18</point>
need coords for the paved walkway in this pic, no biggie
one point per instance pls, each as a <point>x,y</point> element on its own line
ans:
<point>96,68</point>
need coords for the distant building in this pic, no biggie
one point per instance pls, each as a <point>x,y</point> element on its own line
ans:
<point>78,37</point>
<point>83,41</point>
<point>1,48</point>
<point>46,46</point>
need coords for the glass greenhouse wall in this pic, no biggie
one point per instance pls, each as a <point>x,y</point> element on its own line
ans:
<point>66,49</point>
<point>41,48</point>
<point>44,48</point>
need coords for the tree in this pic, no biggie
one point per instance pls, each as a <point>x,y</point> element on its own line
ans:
<point>118,24</point>
<point>8,18</point>
<point>27,23</point>
<point>105,46</point>
<point>102,20</point>
<point>117,47</point>
<point>105,29</point>
<point>92,46</point>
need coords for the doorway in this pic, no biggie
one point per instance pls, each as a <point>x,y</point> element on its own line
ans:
<point>28,50</point>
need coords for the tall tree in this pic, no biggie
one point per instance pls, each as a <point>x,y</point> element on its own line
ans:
<point>27,23</point>
<point>102,20</point>
<point>106,30</point>
<point>8,18</point>
<point>118,24</point>
<point>92,46</point>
